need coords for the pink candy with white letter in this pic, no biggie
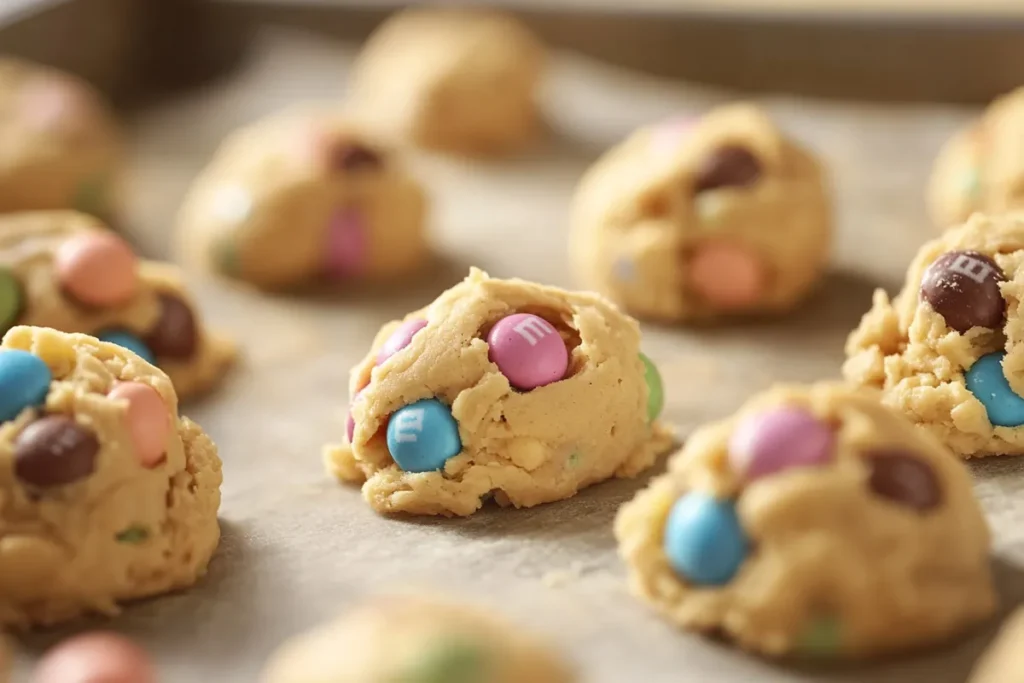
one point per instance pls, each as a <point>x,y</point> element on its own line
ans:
<point>528,350</point>
<point>778,439</point>
<point>400,338</point>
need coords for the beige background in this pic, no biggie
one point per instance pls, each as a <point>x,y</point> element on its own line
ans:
<point>298,547</point>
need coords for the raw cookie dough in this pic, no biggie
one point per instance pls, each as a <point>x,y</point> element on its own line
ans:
<point>460,80</point>
<point>815,522</point>
<point>64,270</point>
<point>981,168</point>
<point>301,196</point>
<point>697,219</point>
<point>1003,662</point>
<point>107,494</point>
<point>499,387</point>
<point>948,351</point>
<point>59,145</point>
<point>415,640</point>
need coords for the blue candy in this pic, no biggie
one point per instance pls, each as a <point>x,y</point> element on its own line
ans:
<point>129,341</point>
<point>987,382</point>
<point>24,382</point>
<point>704,541</point>
<point>423,435</point>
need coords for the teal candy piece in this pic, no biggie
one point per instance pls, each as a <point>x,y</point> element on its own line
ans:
<point>423,435</point>
<point>704,541</point>
<point>987,382</point>
<point>454,661</point>
<point>655,389</point>
<point>24,382</point>
<point>130,341</point>
<point>821,637</point>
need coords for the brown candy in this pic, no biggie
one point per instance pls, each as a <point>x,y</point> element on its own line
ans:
<point>729,166</point>
<point>175,333</point>
<point>963,287</point>
<point>903,478</point>
<point>355,157</point>
<point>54,451</point>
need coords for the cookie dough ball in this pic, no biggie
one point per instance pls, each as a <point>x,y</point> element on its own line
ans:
<point>108,495</point>
<point>948,350</point>
<point>304,196</point>
<point>65,270</point>
<point>500,388</point>
<point>417,640</point>
<point>1003,661</point>
<point>696,219</point>
<point>59,145</point>
<point>815,522</point>
<point>459,80</point>
<point>980,168</point>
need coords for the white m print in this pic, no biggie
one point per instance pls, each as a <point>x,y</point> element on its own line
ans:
<point>533,328</point>
<point>408,425</point>
<point>974,268</point>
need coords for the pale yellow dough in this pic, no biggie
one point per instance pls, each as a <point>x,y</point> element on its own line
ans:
<point>834,570</point>
<point>406,639</point>
<point>28,243</point>
<point>59,552</point>
<point>460,80</point>
<point>262,210</point>
<point>637,221</point>
<point>60,147</point>
<point>525,448</point>
<point>906,349</point>
<point>981,168</point>
<point>1003,662</point>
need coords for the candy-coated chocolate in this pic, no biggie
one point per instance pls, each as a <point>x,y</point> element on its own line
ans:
<point>904,478</point>
<point>985,379</point>
<point>347,244</point>
<point>727,275</point>
<point>10,299</point>
<point>821,637</point>
<point>351,156</point>
<point>400,338</point>
<point>54,451</point>
<point>148,420</point>
<point>778,439</point>
<point>729,166</point>
<point>97,269</point>
<point>24,382</point>
<point>96,658</point>
<point>963,287</point>
<point>133,535</point>
<point>655,389</point>
<point>175,333</point>
<point>704,541</point>
<point>130,341</point>
<point>528,350</point>
<point>422,436</point>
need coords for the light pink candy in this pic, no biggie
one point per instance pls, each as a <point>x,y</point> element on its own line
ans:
<point>347,244</point>
<point>400,338</point>
<point>528,350</point>
<point>779,439</point>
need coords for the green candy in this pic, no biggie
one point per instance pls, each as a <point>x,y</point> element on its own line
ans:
<point>450,662</point>
<point>225,257</point>
<point>10,299</point>
<point>655,390</point>
<point>574,459</point>
<point>91,196</point>
<point>821,637</point>
<point>133,535</point>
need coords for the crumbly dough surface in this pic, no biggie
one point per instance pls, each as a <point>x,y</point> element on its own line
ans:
<point>264,208</point>
<point>907,349</point>
<point>125,531</point>
<point>461,80</point>
<point>1002,662</point>
<point>412,640</point>
<point>28,243</point>
<point>524,448</point>
<point>60,147</point>
<point>834,570</point>
<point>638,220</point>
<point>980,168</point>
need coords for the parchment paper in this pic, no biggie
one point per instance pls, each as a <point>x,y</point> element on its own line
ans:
<point>299,548</point>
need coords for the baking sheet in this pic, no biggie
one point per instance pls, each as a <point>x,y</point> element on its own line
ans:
<point>298,547</point>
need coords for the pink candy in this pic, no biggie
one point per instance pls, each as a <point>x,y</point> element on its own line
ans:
<point>778,439</point>
<point>528,350</point>
<point>400,338</point>
<point>347,244</point>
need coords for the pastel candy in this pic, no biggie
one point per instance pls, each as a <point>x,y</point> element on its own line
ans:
<point>347,244</point>
<point>148,420</point>
<point>778,439</point>
<point>655,389</point>
<point>989,385</point>
<point>130,341</point>
<point>24,382</point>
<point>422,436</point>
<point>400,338</point>
<point>528,350</point>
<point>96,658</point>
<point>97,269</point>
<point>704,541</point>
<point>727,275</point>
